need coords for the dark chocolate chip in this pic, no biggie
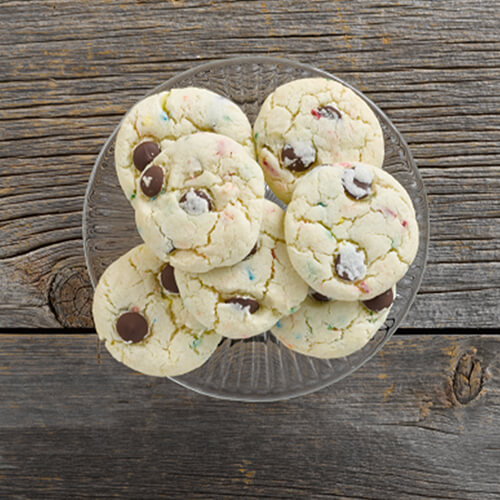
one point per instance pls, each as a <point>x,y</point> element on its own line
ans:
<point>152,180</point>
<point>144,154</point>
<point>252,252</point>
<point>341,275</point>
<point>320,298</point>
<point>292,161</point>
<point>380,301</point>
<point>366,188</point>
<point>329,112</point>
<point>244,302</point>
<point>200,194</point>
<point>132,327</point>
<point>167,279</point>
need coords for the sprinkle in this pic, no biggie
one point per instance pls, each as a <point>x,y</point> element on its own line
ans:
<point>154,198</point>
<point>311,269</point>
<point>256,135</point>
<point>154,321</point>
<point>195,343</point>
<point>341,220</point>
<point>132,196</point>
<point>135,309</point>
<point>387,211</point>
<point>164,116</point>
<point>364,287</point>
<point>316,114</point>
<point>321,204</point>
<point>227,118</point>
<point>251,276</point>
<point>405,223</point>
<point>331,327</point>
<point>278,324</point>
<point>292,310</point>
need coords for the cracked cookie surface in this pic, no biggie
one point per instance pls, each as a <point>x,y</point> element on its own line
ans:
<point>206,205</point>
<point>329,329</point>
<point>142,320</point>
<point>248,298</point>
<point>310,122</point>
<point>351,230</point>
<point>162,118</point>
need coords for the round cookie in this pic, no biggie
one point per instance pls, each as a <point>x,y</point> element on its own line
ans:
<point>249,297</point>
<point>201,202</point>
<point>311,122</point>
<point>159,119</point>
<point>139,314</point>
<point>332,328</point>
<point>351,230</point>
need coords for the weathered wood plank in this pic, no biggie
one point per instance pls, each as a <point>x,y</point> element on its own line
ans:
<point>420,420</point>
<point>69,70</point>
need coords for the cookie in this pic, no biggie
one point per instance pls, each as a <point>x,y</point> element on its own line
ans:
<point>311,122</point>
<point>162,118</point>
<point>326,328</point>
<point>351,230</point>
<point>199,204</point>
<point>139,315</point>
<point>249,297</point>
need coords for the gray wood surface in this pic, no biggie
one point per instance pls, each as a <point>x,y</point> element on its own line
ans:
<point>69,70</point>
<point>420,420</point>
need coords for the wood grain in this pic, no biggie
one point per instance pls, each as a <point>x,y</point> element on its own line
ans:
<point>394,429</point>
<point>69,70</point>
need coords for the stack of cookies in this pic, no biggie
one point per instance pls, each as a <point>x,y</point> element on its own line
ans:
<point>220,260</point>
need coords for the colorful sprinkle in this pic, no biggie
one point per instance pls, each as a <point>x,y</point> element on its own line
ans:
<point>164,116</point>
<point>321,204</point>
<point>278,324</point>
<point>251,276</point>
<point>293,309</point>
<point>135,309</point>
<point>195,343</point>
<point>316,114</point>
<point>387,211</point>
<point>227,118</point>
<point>311,269</point>
<point>364,287</point>
<point>405,224</point>
<point>331,327</point>
<point>256,135</point>
<point>132,196</point>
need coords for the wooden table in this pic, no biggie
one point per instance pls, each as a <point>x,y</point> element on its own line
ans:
<point>422,419</point>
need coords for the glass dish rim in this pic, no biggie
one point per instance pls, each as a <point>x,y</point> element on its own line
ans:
<point>306,67</point>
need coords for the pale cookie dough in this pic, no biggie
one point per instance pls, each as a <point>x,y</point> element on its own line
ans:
<point>201,200</point>
<point>311,122</point>
<point>247,298</point>
<point>332,329</point>
<point>140,316</point>
<point>351,230</point>
<point>159,119</point>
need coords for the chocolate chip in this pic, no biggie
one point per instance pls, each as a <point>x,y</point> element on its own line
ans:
<point>193,202</point>
<point>152,180</point>
<point>167,279</point>
<point>252,252</point>
<point>353,184</point>
<point>380,301</point>
<point>329,112</point>
<point>293,161</point>
<point>244,302</point>
<point>144,154</point>
<point>320,298</point>
<point>132,327</point>
<point>341,274</point>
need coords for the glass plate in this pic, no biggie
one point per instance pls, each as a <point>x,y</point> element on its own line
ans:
<point>259,368</point>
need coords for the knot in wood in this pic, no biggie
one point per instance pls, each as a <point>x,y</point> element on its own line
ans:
<point>70,298</point>
<point>468,378</point>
